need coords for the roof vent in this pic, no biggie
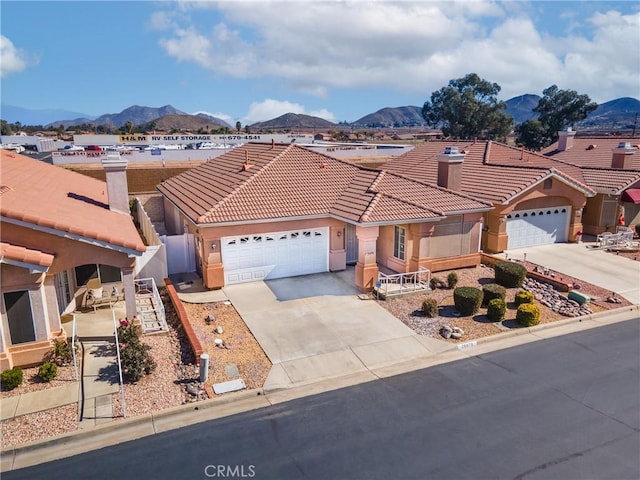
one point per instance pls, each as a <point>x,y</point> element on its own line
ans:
<point>593,146</point>
<point>451,150</point>
<point>246,166</point>
<point>624,145</point>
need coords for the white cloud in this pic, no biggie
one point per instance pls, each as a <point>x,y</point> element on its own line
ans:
<point>411,47</point>
<point>269,109</point>
<point>12,59</point>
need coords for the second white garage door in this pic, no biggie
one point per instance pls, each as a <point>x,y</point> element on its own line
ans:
<point>542,226</point>
<point>248,258</point>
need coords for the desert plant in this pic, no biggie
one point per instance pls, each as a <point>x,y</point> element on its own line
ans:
<point>496,309</point>
<point>430,307</point>
<point>452,280</point>
<point>528,314</point>
<point>134,356</point>
<point>491,291</point>
<point>61,352</point>
<point>436,283</point>
<point>510,274</point>
<point>467,300</point>
<point>10,379</point>
<point>48,371</point>
<point>523,296</point>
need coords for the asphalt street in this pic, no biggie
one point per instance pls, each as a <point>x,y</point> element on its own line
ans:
<point>563,408</point>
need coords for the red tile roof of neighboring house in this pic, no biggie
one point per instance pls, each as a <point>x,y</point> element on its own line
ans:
<point>491,171</point>
<point>29,256</point>
<point>51,197</point>
<point>270,182</point>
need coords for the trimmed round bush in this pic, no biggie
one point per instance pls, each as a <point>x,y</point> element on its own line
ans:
<point>467,300</point>
<point>491,291</point>
<point>47,371</point>
<point>452,280</point>
<point>524,296</point>
<point>10,379</point>
<point>430,307</point>
<point>528,314</point>
<point>510,274</point>
<point>496,309</point>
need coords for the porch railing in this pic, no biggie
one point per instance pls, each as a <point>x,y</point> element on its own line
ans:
<point>389,285</point>
<point>149,306</point>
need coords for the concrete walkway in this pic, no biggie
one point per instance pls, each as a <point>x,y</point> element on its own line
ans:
<point>580,260</point>
<point>316,327</point>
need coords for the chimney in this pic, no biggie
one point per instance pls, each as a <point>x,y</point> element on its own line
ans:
<point>116,172</point>
<point>450,168</point>
<point>622,157</point>
<point>565,139</point>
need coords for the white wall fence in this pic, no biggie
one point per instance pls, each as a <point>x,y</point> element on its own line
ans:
<point>153,262</point>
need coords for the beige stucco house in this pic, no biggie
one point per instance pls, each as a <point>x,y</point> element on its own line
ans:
<point>58,229</point>
<point>266,211</point>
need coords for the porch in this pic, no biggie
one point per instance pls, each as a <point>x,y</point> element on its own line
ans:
<point>391,284</point>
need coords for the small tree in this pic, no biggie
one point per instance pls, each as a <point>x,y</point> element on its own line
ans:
<point>452,280</point>
<point>135,359</point>
<point>430,307</point>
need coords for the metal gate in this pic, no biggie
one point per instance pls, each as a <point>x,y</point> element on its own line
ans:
<point>181,255</point>
<point>351,246</point>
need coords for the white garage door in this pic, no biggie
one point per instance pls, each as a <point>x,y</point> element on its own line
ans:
<point>247,258</point>
<point>542,226</point>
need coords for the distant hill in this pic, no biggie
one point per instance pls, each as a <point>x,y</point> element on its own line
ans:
<point>615,114</point>
<point>213,119</point>
<point>134,114</point>
<point>26,116</point>
<point>409,116</point>
<point>521,108</point>
<point>182,122</point>
<point>294,121</point>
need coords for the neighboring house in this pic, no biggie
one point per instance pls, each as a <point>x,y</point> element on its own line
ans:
<point>266,211</point>
<point>58,229</point>
<point>610,166</point>
<point>535,202</point>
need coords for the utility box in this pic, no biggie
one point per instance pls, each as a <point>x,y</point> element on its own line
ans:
<point>579,297</point>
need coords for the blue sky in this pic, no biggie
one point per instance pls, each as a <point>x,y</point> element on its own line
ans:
<point>256,60</point>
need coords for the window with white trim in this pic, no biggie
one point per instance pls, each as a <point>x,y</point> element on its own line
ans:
<point>399,239</point>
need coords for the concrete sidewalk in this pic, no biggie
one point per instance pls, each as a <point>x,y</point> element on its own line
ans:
<point>580,260</point>
<point>234,403</point>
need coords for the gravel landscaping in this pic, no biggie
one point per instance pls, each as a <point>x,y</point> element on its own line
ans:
<point>408,308</point>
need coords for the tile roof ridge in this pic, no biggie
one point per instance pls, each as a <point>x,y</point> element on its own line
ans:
<point>560,173</point>
<point>374,185</point>
<point>243,185</point>
<point>372,204</point>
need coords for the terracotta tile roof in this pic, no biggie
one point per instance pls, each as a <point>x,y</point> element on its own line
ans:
<point>29,256</point>
<point>491,171</point>
<point>51,197</point>
<point>610,180</point>
<point>593,152</point>
<point>265,182</point>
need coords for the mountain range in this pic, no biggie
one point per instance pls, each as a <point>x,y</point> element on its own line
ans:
<point>620,113</point>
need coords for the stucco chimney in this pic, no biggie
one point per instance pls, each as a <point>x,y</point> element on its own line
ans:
<point>622,157</point>
<point>116,172</point>
<point>450,168</point>
<point>565,139</point>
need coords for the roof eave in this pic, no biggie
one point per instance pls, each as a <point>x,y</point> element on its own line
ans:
<point>32,267</point>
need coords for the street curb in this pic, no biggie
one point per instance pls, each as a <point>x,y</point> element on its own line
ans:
<point>272,397</point>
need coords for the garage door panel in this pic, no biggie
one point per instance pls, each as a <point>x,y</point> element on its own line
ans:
<point>275,255</point>
<point>538,227</point>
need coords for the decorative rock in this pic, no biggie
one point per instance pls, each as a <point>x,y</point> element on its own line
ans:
<point>456,335</point>
<point>446,331</point>
<point>547,295</point>
<point>192,389</point>
<point>458,330</point>
<point>218,329</point>
<point>209,319</point>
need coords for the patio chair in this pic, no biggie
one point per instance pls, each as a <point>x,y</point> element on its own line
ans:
<point>95,296</point>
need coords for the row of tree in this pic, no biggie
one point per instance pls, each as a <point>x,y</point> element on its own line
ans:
<point>468,108</point>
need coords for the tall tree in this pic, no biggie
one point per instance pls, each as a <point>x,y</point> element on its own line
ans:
<point>238,126</point>
<point>468,108</point>
<point>128,127</point>
<point>557,110</point>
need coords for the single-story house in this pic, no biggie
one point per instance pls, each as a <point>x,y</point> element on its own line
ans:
<point>265,211</point>
<point>534,201</point>
<point>611,167</point>
<point>58,229</point>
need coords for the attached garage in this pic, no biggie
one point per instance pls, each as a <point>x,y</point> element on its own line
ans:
<point>247,258</point>
<point>542,226</point>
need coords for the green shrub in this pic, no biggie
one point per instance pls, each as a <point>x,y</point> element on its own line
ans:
<point>528,314</point>
<point>467,300</point>
<point>10,379</point>
<point>134,355</point>
<point>48,371</point>
<point>436,283</point>
<point>496,309</point>
<point>510,274</point>
<point>491,291</point>
<point>61,353</point>
<point>452,280</point>
<point>524,296</point>
<point>430,307</point>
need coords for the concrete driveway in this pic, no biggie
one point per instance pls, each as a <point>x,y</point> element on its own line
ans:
<point>606,270</point>
<point>315,326</point>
